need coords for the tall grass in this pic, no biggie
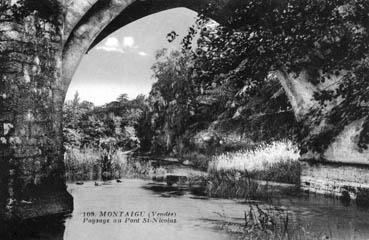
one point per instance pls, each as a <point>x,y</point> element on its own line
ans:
<point>233,175</point>
<point>82,164</point>
<point>260,158</point>
<point>262,223</point>
<point>86,164</point>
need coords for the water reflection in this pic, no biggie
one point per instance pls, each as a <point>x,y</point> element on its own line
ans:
<point>49,228</point>
<point>198,217</point>
<point>139,195</point>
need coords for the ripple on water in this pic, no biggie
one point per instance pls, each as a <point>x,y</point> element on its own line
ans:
<point>198,217</point>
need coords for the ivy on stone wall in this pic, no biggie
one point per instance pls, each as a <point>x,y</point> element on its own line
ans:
<point>47,10</point>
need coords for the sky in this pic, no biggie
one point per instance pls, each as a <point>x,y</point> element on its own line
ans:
<point>122,62</point>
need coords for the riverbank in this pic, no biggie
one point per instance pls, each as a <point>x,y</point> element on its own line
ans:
<point>262,172</point>
<point>256,173</point>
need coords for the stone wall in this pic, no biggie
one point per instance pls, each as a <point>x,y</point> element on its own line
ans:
<point>342,165</point>
<point>31,99</point>
<point>334,179</point>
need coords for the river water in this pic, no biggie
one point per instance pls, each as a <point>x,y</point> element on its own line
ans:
<point>191,216</point>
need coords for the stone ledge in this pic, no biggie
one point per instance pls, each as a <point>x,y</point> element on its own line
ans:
<point>334,179</point>
<point>334,163</point>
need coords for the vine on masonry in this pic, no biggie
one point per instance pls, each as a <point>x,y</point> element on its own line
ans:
<point>47,10</point>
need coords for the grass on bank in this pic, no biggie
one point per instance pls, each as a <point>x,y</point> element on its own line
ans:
<point>85,164</point>
<point>233,175</point>
<point>262,223</point>
<point>260,158</point>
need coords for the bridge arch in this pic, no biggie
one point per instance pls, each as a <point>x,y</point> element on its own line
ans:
<point>89,24</point>
<point>37,65</point>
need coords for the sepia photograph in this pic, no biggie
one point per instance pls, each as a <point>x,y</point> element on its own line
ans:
<point>184,119</point>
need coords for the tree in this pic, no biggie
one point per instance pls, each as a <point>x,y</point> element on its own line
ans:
<point>172,98</point>
<point>326,39</point>
<point>76,99</point>
<point>123,98</point>
<point>72,112</point>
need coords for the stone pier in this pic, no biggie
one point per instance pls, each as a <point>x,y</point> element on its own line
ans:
<point>31,98</point>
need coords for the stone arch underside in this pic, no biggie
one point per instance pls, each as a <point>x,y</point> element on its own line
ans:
<point>84,29</point>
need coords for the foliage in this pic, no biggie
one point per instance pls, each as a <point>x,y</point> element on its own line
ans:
<point>180,105</point>
<point>324,38</point>
<point>101,130</point>
<point>173,108</point>
<point>47,10</point>
<point>102,127</point>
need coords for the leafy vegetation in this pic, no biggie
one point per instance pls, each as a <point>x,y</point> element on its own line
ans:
<point>47,10</point>
<point>95,136</point>
<point>182,109</point>
<point>325,39</point>
<point>111,124</point>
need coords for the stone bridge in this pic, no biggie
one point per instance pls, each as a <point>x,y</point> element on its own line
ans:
<point>40,50</point>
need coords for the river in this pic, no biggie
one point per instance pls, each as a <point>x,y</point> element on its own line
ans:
<point>192,217</point>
